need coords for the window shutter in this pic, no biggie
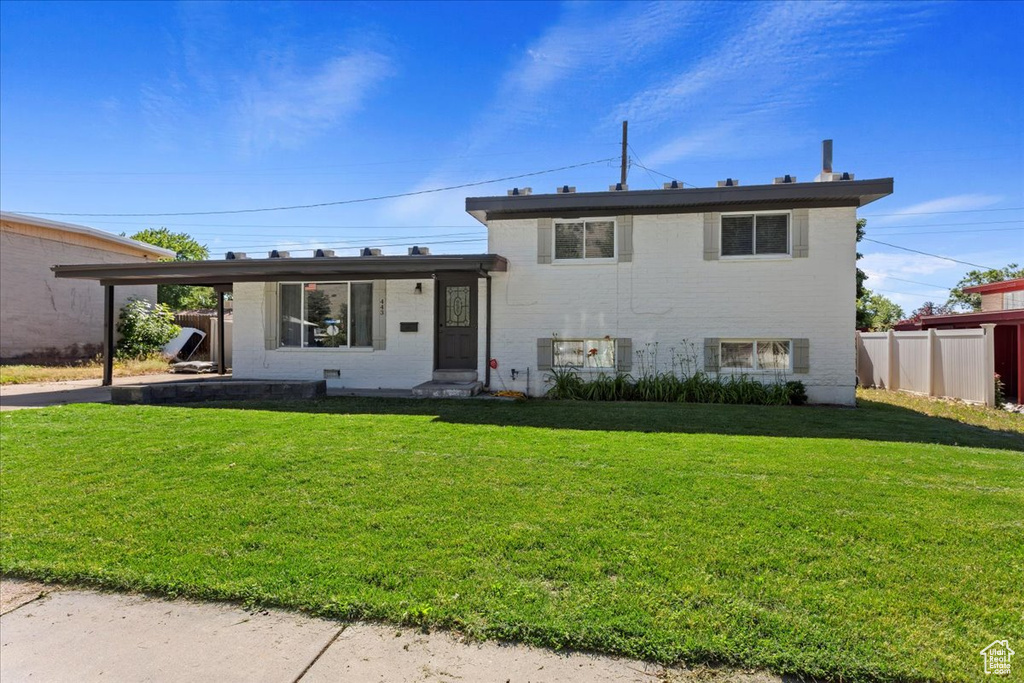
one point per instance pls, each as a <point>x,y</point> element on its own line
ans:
<point>712,225</point>
<point>271,317</point>
<point>545,353</point>
<point>380,328</point>
<point>624,224</point>
<point>801,356</point>
<point>544,240</point>
<point>623,354</point>
<point>711,351</point>
<point>801,219</point>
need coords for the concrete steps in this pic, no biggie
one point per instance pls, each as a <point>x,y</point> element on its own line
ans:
<point>455,376</point>
<point>435,389</point>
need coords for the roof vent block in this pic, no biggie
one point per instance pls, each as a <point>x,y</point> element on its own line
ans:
<point>235,255</point>
<point>730,182</point>
<point>419,251</point>
<point>369,251</point>
<point>516,191</point>
<point>323,253</point>
<point>783,180</point>
<point>274,253</point>
<point>565,189</point>
<point>618,187</point>
<point>674,185</point>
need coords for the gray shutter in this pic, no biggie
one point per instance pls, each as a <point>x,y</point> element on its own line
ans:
<point>801,219</point>
<point>623,354</point>
<point>545,353</point>
<point>712,232</point>
<point>801,356</point>
<point>624,224</point>
<point>711,351</point>
<point>544,240</point>
<point>271,317</point>
<point>380,327</point>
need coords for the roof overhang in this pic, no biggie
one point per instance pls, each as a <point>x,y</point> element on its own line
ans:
<point>684,200</point>
<point>1007,317</point>
<point>222,274</point>
<point>152,250</point>
<point>996,287</point>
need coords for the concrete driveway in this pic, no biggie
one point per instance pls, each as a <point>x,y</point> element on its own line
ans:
<point>55,634</point>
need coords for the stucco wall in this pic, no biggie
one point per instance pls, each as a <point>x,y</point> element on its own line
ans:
<point>669,293</point>
<point>406,360</point>
<point>41,316</point>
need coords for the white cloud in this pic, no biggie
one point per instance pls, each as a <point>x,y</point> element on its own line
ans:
<point>283,107</point>
<point>762,74</point>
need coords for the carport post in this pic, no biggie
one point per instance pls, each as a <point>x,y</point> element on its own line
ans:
<point>221,361</point>
<point>108,335</point>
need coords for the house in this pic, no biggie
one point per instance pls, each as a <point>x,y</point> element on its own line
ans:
<point>1002,306</point>
<point>43,318</point>
<point>758,279</point>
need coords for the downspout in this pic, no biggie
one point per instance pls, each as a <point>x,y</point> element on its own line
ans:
<point>487,334</point>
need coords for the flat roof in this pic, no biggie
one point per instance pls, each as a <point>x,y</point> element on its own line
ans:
<point>159,252</point>
<point>682,200</point>
<point>224,273</point>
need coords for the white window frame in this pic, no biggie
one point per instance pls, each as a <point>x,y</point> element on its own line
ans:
<point>754,342</point>
<point>585,341</point>
<point>756,256</point>
<point>1008,300</point>
<point>302,314</point>
<point>583,260</point>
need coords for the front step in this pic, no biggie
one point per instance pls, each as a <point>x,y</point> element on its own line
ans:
<point>447,389</point>
<point>455,376</point>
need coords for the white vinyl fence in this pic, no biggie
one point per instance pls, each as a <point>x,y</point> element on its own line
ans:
<point>948,363</point>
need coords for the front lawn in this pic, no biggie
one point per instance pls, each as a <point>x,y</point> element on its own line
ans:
<point>869,544</point>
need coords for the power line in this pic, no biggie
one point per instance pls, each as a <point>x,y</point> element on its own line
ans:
<point>323,204</point>
<point>925,253</point>
<point>289,226</point>
<point>942,225</point>
<point>932,213</point>
<point>950,232</point>
<point>913,282</point>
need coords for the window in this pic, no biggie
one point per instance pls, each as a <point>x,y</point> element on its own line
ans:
<point>326,314</point>
<point>591,239</point>
<point>584,353</point>
<point>1013,300</point>
<point>755,234</point>
<point>755,354</point>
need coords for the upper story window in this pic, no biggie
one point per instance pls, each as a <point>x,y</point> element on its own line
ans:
<point>1013,300</point>
<point>584,240</point>
<point>759,234</point>
<point>326,314</point>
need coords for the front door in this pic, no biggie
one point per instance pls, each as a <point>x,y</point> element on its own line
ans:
<point>455,346</point>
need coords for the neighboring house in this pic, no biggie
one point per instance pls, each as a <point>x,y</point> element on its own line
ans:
<point>1002,305</point>
<point>759,279</point>
<point>43,318</point>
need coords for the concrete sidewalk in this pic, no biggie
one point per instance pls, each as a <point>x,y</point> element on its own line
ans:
<point>45,394</point>
<point>54,634</point>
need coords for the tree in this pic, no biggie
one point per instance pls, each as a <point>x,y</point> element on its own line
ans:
<point>144,329</point>
<point>862,320</point>
<point>880,312</point>
<point>928,308</point>
<point>961,300</point>
<point>185,248</point>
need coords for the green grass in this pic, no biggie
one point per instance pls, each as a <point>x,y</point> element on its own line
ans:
<point>855,545</point>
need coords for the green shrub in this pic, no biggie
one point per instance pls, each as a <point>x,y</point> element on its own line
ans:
<point>144,329</point>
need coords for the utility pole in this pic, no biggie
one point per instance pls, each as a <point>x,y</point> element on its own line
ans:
<point>622,175</point>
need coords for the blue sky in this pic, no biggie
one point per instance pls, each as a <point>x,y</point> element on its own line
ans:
<point>167,107</point>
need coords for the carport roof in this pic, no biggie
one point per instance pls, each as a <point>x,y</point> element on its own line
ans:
<point>222,274</point>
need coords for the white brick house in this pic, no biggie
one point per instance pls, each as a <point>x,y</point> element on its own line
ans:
<point>754,279</point>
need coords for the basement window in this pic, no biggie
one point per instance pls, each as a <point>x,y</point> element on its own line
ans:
<point>326,314</point>
<point>760,234</point>
<point>584,353</point>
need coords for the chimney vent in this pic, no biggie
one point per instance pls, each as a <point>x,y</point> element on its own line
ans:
<point>782,180</point>
<point>321,253</point>
<point>516,191</point>
<point>368,251</point>
<point>729,182</point>
<point>235,255</point>
<point>419,251</point>
<point>618,187</point>
<point>278,254</point>
<point>826,156</point>
<point>674,185</point>
<point>565,189</point>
